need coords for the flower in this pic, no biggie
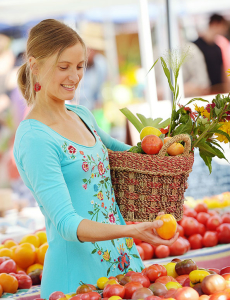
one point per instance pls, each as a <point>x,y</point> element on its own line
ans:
<point>92,202</point>
<point>95,187</point>
<point>199,109</point>
<point>121,249</point>
<point>124,262</point>
<point>100,196</point>
<point>85,166</point>
<point>210,105</point>
<point>129,243</point>
<point>112,219</point>
<point>72,149</point>
<point>226,128</point>
<point>106,255</point>
<point>113,200</point>
<point>85,186</point>
<point>99,252</point>
<point>102,204</point>
<point>189,111</point>
<point>101,168</point>
<point>81,152</point>
<point>206,114</point>
<point>92,175</point>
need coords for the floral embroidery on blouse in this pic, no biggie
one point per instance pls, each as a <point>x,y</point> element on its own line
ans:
<point>70,150</point>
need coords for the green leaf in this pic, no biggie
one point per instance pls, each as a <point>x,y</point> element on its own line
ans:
<point>164,123</point>
<point>153,65</point>
<point>184,128</point>
<point>133,119</point>
<point>143,120</point>
<point>108,271</point>
<point>221,132</point>
<point>177,93</point>
<point>94,251</point>
<point>84,180</point>
<point>155,122</point>
<point>195,99</point>
<point>90,212</point>
<point>209,149</point>
<point>207,160</point>
<point>184,119</point>
<point>167,73</point>
<point>113,243</point>
<point>216,144</point>
<point>135,255</point>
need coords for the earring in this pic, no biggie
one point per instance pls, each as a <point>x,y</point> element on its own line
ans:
<point>37,87</point>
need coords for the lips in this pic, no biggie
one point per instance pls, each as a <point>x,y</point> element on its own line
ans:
<point>68,87</point>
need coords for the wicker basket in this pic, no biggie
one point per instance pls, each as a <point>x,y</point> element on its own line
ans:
<point>145,184</point>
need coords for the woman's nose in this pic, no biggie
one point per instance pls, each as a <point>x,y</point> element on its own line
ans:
<point>74,76</point>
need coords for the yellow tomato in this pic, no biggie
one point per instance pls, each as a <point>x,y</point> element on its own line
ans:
<point>101,282</point>
<point>34,267</point>
<point>197,276</point>
<point>173,285</point>
<point>42,237</point>
<point>170,267</point>
<point>114,298</point>
<point>149,130</point>
<point>111,281</point>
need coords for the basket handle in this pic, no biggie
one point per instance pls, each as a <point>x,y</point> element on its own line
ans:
<point>177,138</point>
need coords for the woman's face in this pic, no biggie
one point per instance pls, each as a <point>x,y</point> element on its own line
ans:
<point>61,82</point>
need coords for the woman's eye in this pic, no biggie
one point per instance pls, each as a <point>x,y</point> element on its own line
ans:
<point>62,68</point>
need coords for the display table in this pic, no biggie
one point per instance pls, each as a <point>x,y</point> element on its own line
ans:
<point>213,257</point>
<point>31,294</point>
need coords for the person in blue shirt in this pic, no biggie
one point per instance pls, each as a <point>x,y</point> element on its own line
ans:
<point>62,157</point>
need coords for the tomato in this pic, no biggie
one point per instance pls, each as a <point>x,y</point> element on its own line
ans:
<point>136,241</point>
<point>178,247</point>
<point>201,229</point>
<point>130,288</point>
<point>8,266</point>
<point>158,289</point>
<point>195,241</point>
<point>148,250</point>
<point>142,293</point>
<point>210,239</point>
<point>114,290</point>
<point>35,276</point>
<point>226,218</point>
<point>169,227</point>
<point>190,213</point>
<point>141,252</point>
<point>201,207</point>
<point>185,266</point>
<point>94,296</point>
<point>153,298</point>
<point>1,291</point>
<point>82,289</point>
<point>165,279</point>
<point>198,276</point>
<point>142,279</point>
<point>204,297</point>
<point>170,267</point>
<point>186,282</point>
<point>9,283</point>
<point>187,293</point>
<point>223,232</point>
<point>170,293</point>
<point>219,296</point>
<point>181,279</point>
<point>3,258</point>
<point>24,281</point>
<point>180,229</point>
<point>130,273</point>
<point>151,144</point>
<point>217,271</point>
<point>162,251</point>
<point>212,213</point>
<point>202,217</point>
<point>56,295</point>
<point>213,222</point>
<point>125,280</point>
<point>21,272</point>
<point>190,226</point>
<point>225,270</point>
<point>154,271</point>
<point>212,284</point>
<point>80,297</point>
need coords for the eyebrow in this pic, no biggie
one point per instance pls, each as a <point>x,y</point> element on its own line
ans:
<point>68,62</point>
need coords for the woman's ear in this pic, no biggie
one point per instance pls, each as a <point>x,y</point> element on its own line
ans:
<point>33,65</point>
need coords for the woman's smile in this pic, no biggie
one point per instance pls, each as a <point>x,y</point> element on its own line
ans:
<point>68,87</point>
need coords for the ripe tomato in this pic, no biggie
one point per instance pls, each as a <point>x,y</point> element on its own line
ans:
<point>114,290</point>
<point>148,250</point>
<point>8,266</point>
<point>136,241</point>
<point>178,247</point>
<point>213,213</point>
<point>201,207</point>
<point>94,296</point>
<point>151,144</point>
<point>190,225</point>
<point>225,270</point>
<point>141,252</point>
<point>162,251</point>
<point>158,289</point>
<point>223,232</point>
<point>181,279</point>
<point>213,223</point>
<point>170,294</point>
<point>190,213</point>
<point>24,281</point>
<point>130,288</point>
<point>165,279</point>
<point>142,293</point>
<point>201,229</point>
<point>154,271</point>
<point>9,283</point>
<point>169,227</point>
<point>210,239</point>
<point>202,217</point>
<point>215,270</point>
<point>180,229</point>
<point>142,279</point>
<point>226,276</point>
<point>195,241</point>
<point>226,218</point>
<point>84,296</point>
<point>187,293</point>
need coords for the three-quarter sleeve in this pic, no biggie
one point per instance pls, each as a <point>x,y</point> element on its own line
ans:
<point>39,158</point>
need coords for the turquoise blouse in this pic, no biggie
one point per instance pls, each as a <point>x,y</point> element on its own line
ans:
<point>72,182</point>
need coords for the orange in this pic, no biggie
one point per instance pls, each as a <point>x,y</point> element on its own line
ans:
<point>34,267</point>
<point>32,239</point>
<point>24,255</point>
<point>42,237</point>
<point>6,252</point>
<point>169,227</point>
<point>41,252</point>
<point>166,139</point>
<point>10,243</point>
<point>175,148</point>
<point>9,283</point>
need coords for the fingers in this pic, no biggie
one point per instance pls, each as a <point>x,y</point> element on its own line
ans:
<point>157,224</point>
<point>156,240</point>
<point>161,213</point>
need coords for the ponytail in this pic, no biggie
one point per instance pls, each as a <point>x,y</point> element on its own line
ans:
<point>25,84</point>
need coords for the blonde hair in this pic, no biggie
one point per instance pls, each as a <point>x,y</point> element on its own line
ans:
<point>47,38</point>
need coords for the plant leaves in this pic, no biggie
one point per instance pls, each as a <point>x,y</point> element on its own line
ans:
<point>112,241</point>
<point>221,132</point>
<point>162,136</point>
<point>207,160</point>
<point>153,65</point>
<point>134,255</point>
<point>216,144</point>
<point>94,251</point>
<point>195,99</point>
<point>184,128</point>
<point>133,119</point>
<point>164,123</point>
<point>209,149</point>
<point>167,73</point>
<point>143,120</point>
<point>155,122</point>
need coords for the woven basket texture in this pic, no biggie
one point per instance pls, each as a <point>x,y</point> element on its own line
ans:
<point>145,185</point>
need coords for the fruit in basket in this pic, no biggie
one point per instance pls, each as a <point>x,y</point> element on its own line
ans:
<point>151,144</point>
<point>148,130</point>
<point>175,148</point>
<point>9,283</point>
<point>169,227</point>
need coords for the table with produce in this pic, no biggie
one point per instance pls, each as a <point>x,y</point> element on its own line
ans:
<point>148,179</point>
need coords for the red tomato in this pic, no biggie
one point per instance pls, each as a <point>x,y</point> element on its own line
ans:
<point>94,296</point>
<point>226,276</point>
<point>181,279</point>
<point>114,290</point>
<point>162,251</point>
<point>187,244</point>
<point>142,279</point>
<point>180,229</point>
<point>142,293</point>
<point>170,294</point>
<point>136,241</point>
<point>178,247</point>
<point>223,232</point>
<point>187,293</point>
<point>213,223</point>
<point>4,258</point>
<point>130,273</point>
<point>226,218</point>
<point>195,241</point>
<point>219,296</point>
<point>141,252</point>
<point>210,239</point>
<point>215,270</point>
<point>225,270</point>
<point>202,217</point>
<point>165,279</point>
<point>148,250</point>
<point>212,213</point>
<point>21,272</point>
<point>190,213</point>
<point>190,226</point>
<point>153,298</point>
<point>151,144</point>
<point>201,229</point>
<point>154,271</point>
<point>128,223</point>
<point>201,207</point>
<point>186,282</point>
<point>8,266</point>
<point>80,297</point>
<point>24,281</point>
<point>56,295</point>
<point>130,288</point>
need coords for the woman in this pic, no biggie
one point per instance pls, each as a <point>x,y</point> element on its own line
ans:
<point>62,157</point>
